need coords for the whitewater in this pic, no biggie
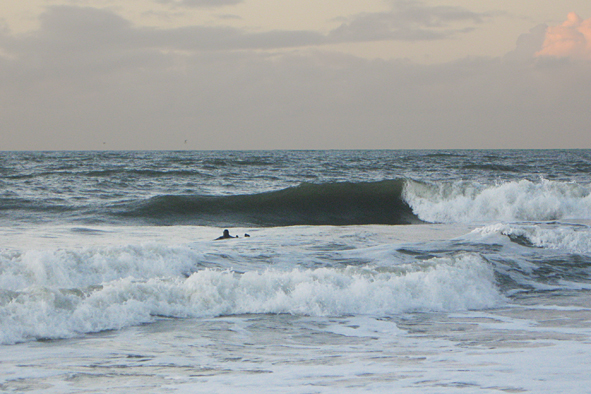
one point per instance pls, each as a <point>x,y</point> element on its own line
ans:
<point>352,271</point>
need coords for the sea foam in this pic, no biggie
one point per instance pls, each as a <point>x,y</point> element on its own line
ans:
<point>76,268</point>
<point>442,284</point>
<point>470,202</point>
<point>570,239</point>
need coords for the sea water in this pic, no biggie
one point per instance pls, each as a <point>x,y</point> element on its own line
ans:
<point>381,271</point>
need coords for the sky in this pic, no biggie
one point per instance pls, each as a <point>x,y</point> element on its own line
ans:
<point>294,74</point>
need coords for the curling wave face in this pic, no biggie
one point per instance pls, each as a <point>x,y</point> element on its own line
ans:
<point>344,203</point>
<point>391,202</point>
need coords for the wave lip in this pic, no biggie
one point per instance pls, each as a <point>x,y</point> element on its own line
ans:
<point>343,203</point>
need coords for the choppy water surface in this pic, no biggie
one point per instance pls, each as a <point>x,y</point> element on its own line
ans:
<point>417,271</point>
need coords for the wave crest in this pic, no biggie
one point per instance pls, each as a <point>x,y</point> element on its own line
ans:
<point>524,200</point>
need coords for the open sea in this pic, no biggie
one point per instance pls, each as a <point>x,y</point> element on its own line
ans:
<point>364,271</point>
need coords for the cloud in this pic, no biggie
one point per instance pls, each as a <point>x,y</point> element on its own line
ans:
<point>229,17</point>
<point>77,32</point>
<point>73,85</point>
<point>572,39</point>
<point>528,45</point>
<point>89,34</point>
<point>201,3</point>
<point>408,21</point>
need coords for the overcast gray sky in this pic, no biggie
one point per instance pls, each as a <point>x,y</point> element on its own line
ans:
<point>295,74</point>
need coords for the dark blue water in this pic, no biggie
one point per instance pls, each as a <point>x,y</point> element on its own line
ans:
<point>261,188</point>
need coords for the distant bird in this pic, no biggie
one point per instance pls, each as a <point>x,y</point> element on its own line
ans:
<point>185,141</point>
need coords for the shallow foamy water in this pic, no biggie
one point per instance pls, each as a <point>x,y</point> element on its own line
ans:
<point>517,349</point>
<point>426,308</point>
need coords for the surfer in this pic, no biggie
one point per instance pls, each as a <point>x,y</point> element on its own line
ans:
<point>225,235</point>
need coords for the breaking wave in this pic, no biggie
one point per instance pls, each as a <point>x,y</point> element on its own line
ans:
<point>62,295</point>
<point>524,200</point>
<point>389,202</point>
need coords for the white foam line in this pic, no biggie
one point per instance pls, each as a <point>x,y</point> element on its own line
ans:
<point>514,324</point>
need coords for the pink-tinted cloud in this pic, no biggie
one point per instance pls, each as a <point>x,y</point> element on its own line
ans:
<point>572,39</point>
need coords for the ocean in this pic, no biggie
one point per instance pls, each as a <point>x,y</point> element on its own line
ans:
<point>353,271</point>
